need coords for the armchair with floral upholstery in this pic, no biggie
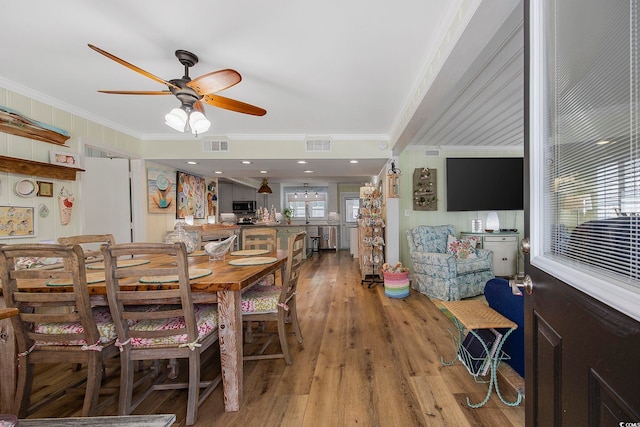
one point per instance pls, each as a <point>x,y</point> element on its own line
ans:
<point>447,268</point>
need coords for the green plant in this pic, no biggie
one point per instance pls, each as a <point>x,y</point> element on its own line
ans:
<point>288,212</point>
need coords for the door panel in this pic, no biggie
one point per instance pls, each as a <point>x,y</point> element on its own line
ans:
<point>581,364</point>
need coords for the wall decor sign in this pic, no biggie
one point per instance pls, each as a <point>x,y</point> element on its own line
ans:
<point>190,195</point>
<point>64,158</point>
<point>45,189</point>
<point>17,221</point>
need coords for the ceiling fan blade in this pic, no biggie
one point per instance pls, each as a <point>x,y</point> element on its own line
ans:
<point>132,67</point>
<point>215,81</point>
<point>137,92</point>
<point>233,105</point>
<point>197,106</point>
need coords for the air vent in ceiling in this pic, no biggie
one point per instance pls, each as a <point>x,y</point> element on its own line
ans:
<point>432,152</point>
<point>318,144</point>
<point>209,146</point>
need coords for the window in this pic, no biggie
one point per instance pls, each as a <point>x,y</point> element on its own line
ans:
<point>307,202</point>
<point>584,128</point>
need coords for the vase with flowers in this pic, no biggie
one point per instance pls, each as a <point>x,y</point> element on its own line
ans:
<point>288,213</point>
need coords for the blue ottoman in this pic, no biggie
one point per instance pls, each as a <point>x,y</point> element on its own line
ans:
<point>501,299</point>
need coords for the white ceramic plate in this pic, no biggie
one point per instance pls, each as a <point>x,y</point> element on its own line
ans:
<point>26,188</point>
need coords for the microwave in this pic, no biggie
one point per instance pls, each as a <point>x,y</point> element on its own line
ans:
<point>244,206</point>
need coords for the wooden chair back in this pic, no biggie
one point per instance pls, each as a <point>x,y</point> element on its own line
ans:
<point>284,311</point>
<point>158,324</point>
<point>39,335</point>
<point>90,243</point>
<point>259,238</point>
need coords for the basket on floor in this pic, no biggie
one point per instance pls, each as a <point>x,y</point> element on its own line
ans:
<point>396,285</point>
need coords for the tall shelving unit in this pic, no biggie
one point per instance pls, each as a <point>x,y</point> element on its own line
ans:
<point>371,237</point>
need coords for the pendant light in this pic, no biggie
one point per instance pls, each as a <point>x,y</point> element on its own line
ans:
<point>264,188</point>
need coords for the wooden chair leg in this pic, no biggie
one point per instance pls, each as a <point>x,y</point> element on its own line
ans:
<point>24,383</point>
<point>94,379</point>
<point>293,312</point>
<point>126,385</point>
<point>282,333</point>
<point>194,388</point>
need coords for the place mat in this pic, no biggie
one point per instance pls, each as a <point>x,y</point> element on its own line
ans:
<point>253,261</point>
<point>194,273</point>
<point>94,277</point>
<point>197,253</point>
<point>250,252</point>
<point>121,264</point>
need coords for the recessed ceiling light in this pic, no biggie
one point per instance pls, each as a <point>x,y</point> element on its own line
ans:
<point>308,171</point>
<point>302,162</point>
<point>353,161</point>
<point>191,162</point>
<point>246,162</point>
<point>218,172</point>
<point>264,172</point>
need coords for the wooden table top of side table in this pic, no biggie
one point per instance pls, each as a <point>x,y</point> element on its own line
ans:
<point>475,314</point>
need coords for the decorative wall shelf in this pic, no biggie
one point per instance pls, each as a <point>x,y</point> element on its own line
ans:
<point>30,167</point>
<point>17,124</point>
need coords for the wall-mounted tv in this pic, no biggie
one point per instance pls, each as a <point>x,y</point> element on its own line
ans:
<point>485,183</point>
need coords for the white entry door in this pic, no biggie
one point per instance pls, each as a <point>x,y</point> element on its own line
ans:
<point>107,198</point>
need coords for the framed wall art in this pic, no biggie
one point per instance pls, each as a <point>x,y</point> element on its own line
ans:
<point>17,221</point>
<point>64,158</point>
<point>191,192</point>
<point>45,189</point>
<point>161,190</point>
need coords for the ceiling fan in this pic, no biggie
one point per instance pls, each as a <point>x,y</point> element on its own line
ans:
<point>191,93</point>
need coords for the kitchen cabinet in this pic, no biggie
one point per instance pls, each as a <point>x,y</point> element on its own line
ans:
<point>505,250</point>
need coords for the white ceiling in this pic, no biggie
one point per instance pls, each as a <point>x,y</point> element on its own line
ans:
<point>427,72</point>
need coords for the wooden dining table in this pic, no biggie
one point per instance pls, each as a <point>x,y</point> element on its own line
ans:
<point>225,283</point>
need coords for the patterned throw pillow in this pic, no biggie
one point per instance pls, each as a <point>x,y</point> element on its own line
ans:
<point>463,248</point>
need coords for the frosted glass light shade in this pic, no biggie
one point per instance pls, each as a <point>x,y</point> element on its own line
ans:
<point>493,223</point>
<point>198,122</point>
<point>176,119</point>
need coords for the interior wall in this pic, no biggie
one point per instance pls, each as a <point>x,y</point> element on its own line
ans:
<point>49,228</point>
<point>412,158</point>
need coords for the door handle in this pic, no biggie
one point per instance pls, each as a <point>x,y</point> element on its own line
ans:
<point>525,245</point>
<point>526,284</point>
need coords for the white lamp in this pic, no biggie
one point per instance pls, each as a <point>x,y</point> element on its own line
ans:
<point>198,122</point>
<point>493,223</point>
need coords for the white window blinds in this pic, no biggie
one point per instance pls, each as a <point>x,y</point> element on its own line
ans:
<point>590,135</point>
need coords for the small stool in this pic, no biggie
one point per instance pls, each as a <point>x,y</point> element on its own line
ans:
<point>315,245</point>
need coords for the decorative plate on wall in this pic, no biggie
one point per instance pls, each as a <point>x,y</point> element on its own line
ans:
<point>26,188</point>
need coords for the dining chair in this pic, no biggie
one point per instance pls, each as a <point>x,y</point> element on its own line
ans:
<point>56,327</point>
<point>174,326</point>
<point>277,303</point>
<point>90,244</point>
<point>259,238</point>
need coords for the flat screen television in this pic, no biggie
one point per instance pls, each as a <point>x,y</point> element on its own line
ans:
<point>484,183</point>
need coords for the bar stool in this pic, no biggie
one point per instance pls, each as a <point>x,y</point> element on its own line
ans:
<point>315,244</point>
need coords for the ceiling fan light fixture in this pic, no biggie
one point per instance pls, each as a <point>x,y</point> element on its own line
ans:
<point>176,119</point>
<point>198,122</point>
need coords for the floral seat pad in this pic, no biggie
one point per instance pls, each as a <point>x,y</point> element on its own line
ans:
<point>104,322</point>
<point>206,320</point>
<point>261,299</point>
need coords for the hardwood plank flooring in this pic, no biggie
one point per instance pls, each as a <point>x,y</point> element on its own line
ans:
<point>366,360</point>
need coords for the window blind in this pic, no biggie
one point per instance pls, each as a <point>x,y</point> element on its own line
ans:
<point>592,169</point>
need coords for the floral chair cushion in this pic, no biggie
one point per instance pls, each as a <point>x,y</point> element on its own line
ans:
<point>104,322</point>
<point>206,319</point>
<point>261,299</point>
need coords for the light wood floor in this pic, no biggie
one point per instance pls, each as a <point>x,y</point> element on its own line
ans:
<point>366,360</point>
